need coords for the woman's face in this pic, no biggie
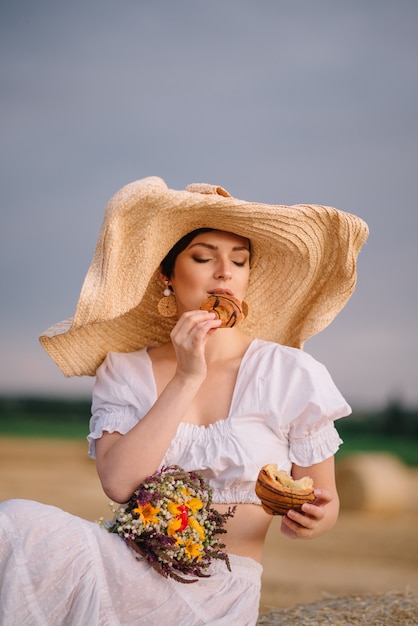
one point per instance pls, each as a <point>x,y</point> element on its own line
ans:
<point>216,261</point>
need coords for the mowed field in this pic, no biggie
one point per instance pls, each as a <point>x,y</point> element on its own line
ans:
<point>367,552</point>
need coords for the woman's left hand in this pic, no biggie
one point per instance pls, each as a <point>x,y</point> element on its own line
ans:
<point>321,514</point>
<point>311,521</point>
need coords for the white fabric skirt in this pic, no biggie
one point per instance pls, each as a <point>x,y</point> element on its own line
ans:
<point>57,569</point>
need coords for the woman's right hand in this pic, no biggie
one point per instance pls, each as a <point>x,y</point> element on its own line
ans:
<point>189,337</point>
<point>123,461</point>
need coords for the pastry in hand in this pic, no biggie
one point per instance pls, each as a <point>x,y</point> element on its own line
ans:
<point>227,308</point>
<point>278,492</point>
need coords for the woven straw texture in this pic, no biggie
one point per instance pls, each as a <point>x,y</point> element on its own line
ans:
<point>303,269</point>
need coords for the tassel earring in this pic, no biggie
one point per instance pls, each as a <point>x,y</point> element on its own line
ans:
<point>167,306</point>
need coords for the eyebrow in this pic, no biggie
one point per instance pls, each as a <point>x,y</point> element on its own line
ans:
<point>209,246</point>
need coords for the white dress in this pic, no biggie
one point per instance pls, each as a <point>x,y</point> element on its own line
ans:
<point>57,569</point>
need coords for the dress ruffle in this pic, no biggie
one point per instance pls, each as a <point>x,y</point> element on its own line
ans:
<point>320,444</point>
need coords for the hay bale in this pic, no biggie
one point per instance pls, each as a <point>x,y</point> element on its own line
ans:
<point>377,483</point>
<point>386,609</point>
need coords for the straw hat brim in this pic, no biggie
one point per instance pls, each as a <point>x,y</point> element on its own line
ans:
<point>303,269</point>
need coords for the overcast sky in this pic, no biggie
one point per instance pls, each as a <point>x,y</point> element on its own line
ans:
<point>279,102</point>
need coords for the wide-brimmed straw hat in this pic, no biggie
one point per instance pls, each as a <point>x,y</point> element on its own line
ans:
<point>303,269</point>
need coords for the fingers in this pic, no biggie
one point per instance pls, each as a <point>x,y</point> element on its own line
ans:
<point>189,337</point>
<point>306,524</point>
<point>193,327</point>
<point>323,496</point>
<point>297,526</point>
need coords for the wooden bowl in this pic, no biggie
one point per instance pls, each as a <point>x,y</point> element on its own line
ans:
<point>279,493</point>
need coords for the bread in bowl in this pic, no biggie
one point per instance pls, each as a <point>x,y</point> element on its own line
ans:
<point>279,492</point>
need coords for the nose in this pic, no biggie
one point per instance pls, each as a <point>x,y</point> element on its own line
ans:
<point>223,270</point>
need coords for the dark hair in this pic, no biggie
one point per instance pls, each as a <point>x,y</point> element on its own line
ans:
<point>167,264</point>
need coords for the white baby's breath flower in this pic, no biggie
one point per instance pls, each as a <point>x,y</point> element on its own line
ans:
<point>180,512</point>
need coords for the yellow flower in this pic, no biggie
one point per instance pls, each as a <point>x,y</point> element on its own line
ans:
<point>195,504</point>
<point>174,508</point>
<point>194,524</point>
<point>193,549</point>
<point>147,513</point>
<point>173,526</point>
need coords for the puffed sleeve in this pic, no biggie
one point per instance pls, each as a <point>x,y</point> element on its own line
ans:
<point>302,405</point>
<point>122,395</point>
<point>312,433</point>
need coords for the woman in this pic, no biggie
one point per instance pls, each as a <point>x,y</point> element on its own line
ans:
<point>177,389</point>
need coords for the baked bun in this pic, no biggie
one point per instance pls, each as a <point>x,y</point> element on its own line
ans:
<point>227,308</point>
<point>278,492</point>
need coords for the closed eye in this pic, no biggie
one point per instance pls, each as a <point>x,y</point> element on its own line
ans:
<point>199,260</point>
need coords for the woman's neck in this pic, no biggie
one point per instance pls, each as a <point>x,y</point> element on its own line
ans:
<point>226,343</point>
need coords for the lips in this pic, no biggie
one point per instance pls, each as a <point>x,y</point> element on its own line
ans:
<point>217,290</point>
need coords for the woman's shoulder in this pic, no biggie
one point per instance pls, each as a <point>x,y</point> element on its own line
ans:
<point>121,375</point>
<point>296,380</point>
<point>271,353</point>
<point>273,361</point>
<point>121,364</point>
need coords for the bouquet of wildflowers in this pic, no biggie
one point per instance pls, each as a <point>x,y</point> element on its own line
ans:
<point>169,521</point>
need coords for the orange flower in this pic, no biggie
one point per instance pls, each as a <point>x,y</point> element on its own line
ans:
<point>147,513</point>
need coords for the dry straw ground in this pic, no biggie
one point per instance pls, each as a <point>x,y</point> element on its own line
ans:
<point>364,571</point>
